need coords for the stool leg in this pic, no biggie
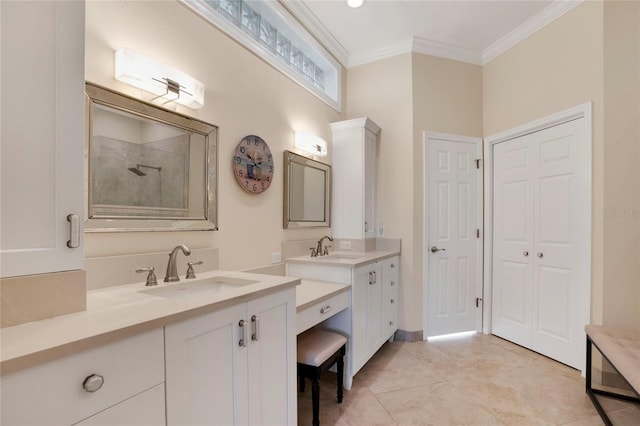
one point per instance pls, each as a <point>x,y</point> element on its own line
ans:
<point>340,373</point>
<point>315,397</point>
<point>302,384</point>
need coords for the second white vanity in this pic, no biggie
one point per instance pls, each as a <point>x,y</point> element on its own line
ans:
<point>371,318</point>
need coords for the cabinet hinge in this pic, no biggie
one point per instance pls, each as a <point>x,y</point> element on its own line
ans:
<point>478,300</point>
<point>477,160</point>
<point>477,233</point>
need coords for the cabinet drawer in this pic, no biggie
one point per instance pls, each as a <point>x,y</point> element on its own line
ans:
<point>389,323</point>
<point>389,301</point>
<point>320,311</point>
<point>53,393</point>
<point>145,409</point>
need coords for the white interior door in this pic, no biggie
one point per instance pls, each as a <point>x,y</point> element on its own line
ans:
<point>453,251</point>
<point>540,241</point>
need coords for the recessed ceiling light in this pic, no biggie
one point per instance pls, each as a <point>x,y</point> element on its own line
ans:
<point>355,3</point>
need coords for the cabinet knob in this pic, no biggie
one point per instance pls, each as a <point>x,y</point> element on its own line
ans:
<point>325,309</point>
<point>392,283</point>
<point>93,383</point>
<point>540,254</point>
<point>393,301</point>
<point>525,253</point>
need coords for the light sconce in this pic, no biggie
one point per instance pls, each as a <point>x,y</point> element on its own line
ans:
<point>310,143</point>
<point>355,3</point>
<point>157,78</point>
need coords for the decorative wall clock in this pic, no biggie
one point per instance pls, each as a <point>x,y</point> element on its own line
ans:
<point>253,164</point>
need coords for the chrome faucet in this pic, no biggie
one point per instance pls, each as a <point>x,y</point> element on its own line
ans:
<point>172,269</point>
<point>319,251</point>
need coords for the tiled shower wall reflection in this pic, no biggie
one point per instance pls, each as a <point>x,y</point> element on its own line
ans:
<point>115,184</point>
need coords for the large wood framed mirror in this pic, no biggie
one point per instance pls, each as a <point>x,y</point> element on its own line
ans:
<point>149,168</point>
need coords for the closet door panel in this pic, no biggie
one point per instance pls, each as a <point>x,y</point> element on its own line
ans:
<point>560,229</point>
<point>512,236</point>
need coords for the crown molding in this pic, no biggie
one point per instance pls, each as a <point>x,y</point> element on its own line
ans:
<point>442,50</point>
<point>528,28</point>
<point>368,56</point>
<point>305,16</point>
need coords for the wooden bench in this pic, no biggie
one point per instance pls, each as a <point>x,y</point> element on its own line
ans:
<point>621,348</point>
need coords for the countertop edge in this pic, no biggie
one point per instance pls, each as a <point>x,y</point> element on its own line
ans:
<point>33,358</point>
<point>367,257</point>
<point>342,289</point>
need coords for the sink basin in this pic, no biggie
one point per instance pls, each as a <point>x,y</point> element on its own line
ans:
<point>185,288</point>
<point>340,256</point>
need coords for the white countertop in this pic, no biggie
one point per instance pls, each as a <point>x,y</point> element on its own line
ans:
<point>117,312</point>
<point>350,259</point>
<point>310,292</point>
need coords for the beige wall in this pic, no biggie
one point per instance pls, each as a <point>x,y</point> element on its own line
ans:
<point>244,96</point>
<point>382,91</point>
<point>406,95</point>
<point>589,54</point>
<point>621,157</point>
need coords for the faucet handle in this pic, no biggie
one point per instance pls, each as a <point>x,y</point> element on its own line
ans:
<point>314,253</point>
<point>151,276</point>
<point>190,273</point>
<point>326,250</point>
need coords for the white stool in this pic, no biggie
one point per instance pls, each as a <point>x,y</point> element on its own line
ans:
<point>318,350</point>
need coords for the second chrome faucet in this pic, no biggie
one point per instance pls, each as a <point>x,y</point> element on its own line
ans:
<point>319,251</point>
<point>172,269</point>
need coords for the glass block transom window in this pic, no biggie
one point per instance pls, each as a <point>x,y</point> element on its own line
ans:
<point>267,29</point>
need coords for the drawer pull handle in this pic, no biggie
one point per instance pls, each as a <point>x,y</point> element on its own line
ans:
<point>93,383</point>
<point>74,231</point>
<point>243,325</point>
<point>255,320</point>
<point>325,309</point>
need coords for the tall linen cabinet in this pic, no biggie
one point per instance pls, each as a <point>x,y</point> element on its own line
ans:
<point>353,212</point>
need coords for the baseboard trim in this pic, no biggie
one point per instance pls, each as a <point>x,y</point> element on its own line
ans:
<point>408,336</point>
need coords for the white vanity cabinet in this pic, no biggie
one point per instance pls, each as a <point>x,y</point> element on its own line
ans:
<point>234,366</point>
<point>117,383</point>
<point>367,312</point>
<point>353,148</point>
<point>42,103</point>
<point>372,316</point>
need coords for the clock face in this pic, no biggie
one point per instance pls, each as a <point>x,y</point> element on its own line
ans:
<point>253,164</point>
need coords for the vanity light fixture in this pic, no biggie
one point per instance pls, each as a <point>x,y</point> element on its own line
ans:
<point>310,143</point>
<point>355,3</point>
<point>157,78</point>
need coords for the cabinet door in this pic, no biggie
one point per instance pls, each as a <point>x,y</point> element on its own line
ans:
<point>206,375</point>
<point>42,104</point>
<point>369,225</point>
<point>360,295</point>
<point>272,359</point>
<point>374,309</point>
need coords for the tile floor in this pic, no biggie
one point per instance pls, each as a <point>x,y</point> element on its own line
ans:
<point>473,380</point>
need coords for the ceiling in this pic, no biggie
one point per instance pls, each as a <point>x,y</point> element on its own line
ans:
<point>472,31</point>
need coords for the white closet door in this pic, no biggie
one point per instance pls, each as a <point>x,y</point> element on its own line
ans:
<point>560,244</point>
<point>512,238</point>
<point>540,284</point>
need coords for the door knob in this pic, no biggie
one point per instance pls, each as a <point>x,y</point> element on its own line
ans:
<point>435,249</point>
